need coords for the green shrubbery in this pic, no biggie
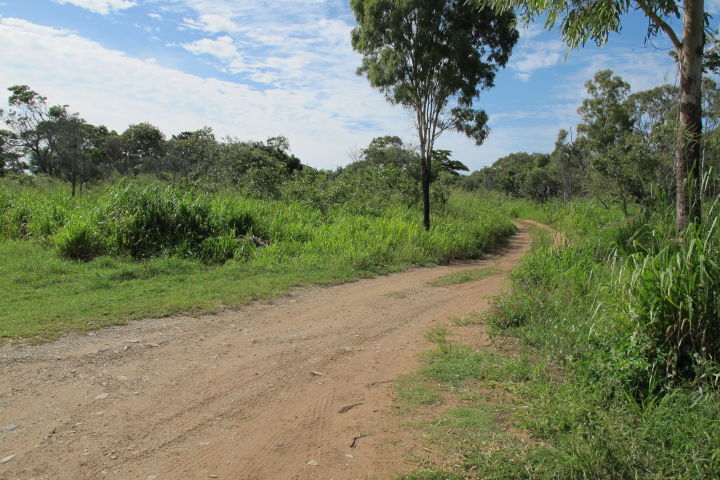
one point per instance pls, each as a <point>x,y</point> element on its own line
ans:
<point>201,238</point>
<point>673,298</point>
<point>133,220</point>
<point>628,316</point>
<point>633,316</point>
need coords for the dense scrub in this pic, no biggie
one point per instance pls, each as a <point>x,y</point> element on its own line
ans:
<point>626,317</point>
<point>135,249</point>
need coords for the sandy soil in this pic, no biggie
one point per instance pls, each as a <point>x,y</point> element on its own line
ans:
<point>296,388</point>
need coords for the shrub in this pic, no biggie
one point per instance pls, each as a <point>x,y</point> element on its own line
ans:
<point>155,220</point>
<point>80,241</point>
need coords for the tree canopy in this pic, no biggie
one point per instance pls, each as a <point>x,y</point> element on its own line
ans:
<point>582,21</point>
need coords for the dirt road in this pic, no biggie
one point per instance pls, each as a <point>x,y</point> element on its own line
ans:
<point>253,393</point>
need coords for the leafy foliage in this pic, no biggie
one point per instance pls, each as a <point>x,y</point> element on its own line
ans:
<point>433,58</point>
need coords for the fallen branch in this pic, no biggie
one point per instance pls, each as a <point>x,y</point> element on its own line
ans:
<point>372,384</point>
<point>347,408</point>
<point>355,439</point>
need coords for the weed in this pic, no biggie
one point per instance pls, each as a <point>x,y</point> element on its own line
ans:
<point>627,318</point>
<point>455,364</point>
<point>150,249</point>
<point>464,276</point>
<point>472,319</point>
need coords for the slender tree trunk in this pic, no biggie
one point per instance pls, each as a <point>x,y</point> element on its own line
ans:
<point>687,160</point>
<point>425,181</point>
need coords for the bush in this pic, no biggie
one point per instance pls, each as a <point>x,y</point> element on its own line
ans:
<point>156,220</point>
<point>631,319</point>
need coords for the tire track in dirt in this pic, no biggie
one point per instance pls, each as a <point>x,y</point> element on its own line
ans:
<point>232,395</point>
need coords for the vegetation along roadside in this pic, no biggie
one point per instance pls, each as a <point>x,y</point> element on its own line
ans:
<point>601,364</point>
<point>133,250</point>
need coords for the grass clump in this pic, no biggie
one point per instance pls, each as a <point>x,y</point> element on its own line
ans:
<point>157,220</point>
<point>472,319</point>
<point>464,276</point>
<point>455,364</point>
<point>674,301</point>
<point>414,391</point>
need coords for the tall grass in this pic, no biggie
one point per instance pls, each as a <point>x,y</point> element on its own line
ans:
<point>673,298</point>
<point>160,220</point>
<point>628,316</point>
<point>104,248</point>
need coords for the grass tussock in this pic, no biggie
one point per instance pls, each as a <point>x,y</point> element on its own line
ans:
<point>464,276</point>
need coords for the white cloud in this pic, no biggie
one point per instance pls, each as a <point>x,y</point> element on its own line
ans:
<point>528,32</point>
<point>102,7</point>
<point>292,73</point>
<point>642,68</point>
<point>211,23</point>
<point>290,45</point>
<point>221,47</point>
<point>534,54</point>
<point>155,16</point>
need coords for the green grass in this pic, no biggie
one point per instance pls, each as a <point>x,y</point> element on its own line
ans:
<point>465,276</point>
<point>456,364</point>
<point>589,394</point>
<point>414,391</point>
<point>44,294</point>
<point>474,383</point>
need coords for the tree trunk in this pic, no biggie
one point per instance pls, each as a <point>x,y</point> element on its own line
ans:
<point>687,160</point>
<point>425,181</point>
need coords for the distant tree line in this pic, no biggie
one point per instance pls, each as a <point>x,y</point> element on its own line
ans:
<point>49,140</point>
<point>623,148</point>
<point>42,141</point>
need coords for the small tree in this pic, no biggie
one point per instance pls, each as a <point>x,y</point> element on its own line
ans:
<point>433,58</point>
<point>605,117</point>
<point>187,154</point>
<point>8,156</point>
<point>76,149</point>
<point>143,144</point>
<point>27,118</point>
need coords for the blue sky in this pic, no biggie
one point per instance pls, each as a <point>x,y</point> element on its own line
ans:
<point>253,69</point>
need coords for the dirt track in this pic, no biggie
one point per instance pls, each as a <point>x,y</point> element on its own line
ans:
<point>234,396</point>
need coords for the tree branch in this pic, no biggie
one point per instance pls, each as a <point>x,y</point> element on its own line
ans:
<point>661,23</point>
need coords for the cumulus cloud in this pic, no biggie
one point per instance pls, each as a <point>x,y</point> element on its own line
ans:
<point>102,7</point>
<point>221,47</point>
<point>293,44</point>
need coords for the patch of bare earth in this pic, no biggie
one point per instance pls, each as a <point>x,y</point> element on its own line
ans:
<point>296,388</point>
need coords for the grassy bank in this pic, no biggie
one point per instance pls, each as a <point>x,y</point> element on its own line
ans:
<point>588,376</point>
<point>130,251</point>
